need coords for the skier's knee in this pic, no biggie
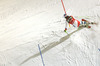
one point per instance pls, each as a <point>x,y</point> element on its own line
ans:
<point>83,20</point>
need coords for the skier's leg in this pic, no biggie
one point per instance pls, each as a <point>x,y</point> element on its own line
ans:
<point>85,23</point>
<point>89,22</point>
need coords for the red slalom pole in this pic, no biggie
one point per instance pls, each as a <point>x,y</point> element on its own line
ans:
<point>63,6</point>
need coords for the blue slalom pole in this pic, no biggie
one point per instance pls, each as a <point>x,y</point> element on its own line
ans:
<point>41,55</point>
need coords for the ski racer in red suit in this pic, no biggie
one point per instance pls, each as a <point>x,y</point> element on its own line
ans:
<point>74,22</point>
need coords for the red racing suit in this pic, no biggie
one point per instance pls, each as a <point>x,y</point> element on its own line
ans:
<point>72,21</point>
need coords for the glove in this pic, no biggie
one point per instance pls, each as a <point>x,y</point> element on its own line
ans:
<point>65,30</point>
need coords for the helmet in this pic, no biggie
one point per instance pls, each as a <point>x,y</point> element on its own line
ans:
<point>65,15</point>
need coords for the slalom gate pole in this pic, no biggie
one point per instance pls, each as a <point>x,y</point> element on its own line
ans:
<point>64,8</point>
<point>41,55</point>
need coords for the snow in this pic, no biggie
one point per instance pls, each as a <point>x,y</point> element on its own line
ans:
<point>26,23</point>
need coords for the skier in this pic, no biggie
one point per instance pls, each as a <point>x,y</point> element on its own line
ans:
<point>76,23</point>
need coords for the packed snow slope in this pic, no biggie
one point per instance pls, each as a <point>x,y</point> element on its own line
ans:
<point>26,23</point>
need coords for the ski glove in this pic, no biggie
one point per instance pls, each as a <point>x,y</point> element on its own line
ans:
<point>65,30</point>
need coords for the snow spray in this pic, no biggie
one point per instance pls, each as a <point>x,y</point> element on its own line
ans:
<point>41,55</point>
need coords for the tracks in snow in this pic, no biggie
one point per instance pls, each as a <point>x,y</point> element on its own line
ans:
<point>50,46</point>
